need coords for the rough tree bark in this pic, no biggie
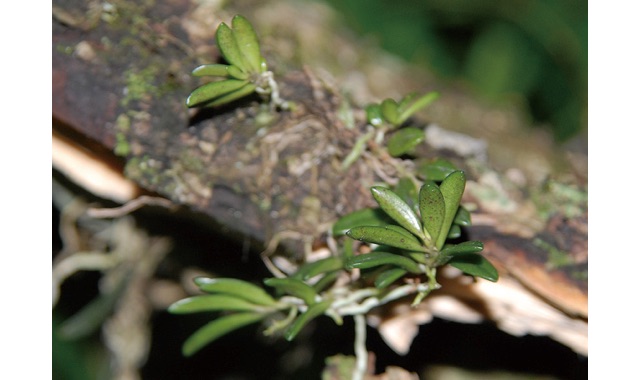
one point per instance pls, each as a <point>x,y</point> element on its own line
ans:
<point>120,77</point>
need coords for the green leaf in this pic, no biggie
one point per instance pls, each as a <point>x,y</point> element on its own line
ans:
<point>475,265</point>
<point>237,73</point>
<point>374,115</point>
<point>310,270</point>
<point>237,288</point>
<point>376,259</point>
<point>211,302</point>
<point>389,110</point>
<point>388,277</point>
<point>214,90</point>
<point>304,318</point>
<point>294,287</point>
<point>362,217</point>
<point>436,170</point>
<point>397,209</point>
<point>386,236</point>
<point>229,47</point>
<point>454,232</point>
<point>459,249</point>
<point>247,42</point>
<point>463,217</point>
<point>451,188</point>
<point>414,106</point>
<point>217,328</point>
<point>432,209</point>
<point>217,70</point>
<point>407,191</point>
<point>230,97</point>
<point>404,141</point>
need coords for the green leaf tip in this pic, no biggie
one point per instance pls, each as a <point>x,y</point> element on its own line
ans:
<point>217,328</point>
<point>397,209</point>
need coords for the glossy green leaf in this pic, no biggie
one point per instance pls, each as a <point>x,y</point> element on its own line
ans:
<point>475,265</point>
<point>386,236</point>
<point>451,188</point>
<point>407,191</point>
<point>229,47</point>
<point>247,42</point>
<point>312,312</point>
<point>216,70</point>
<point>463,217</point>
<point>435,170</point>
<point>432,209</point>
<point>374,115</point>
<point>459,249</point>
<point>454,232</point>
<point>237,288</point>
<point>310,270</point>
<point>404,141</point>
<point>362,217</point>
<point>211,302</point>
<point>217,328</point>
<point>214,90</point>
<point>376,259</point>
<point>237,73</point>
<point>294,287</point>
<point>397,209</point>
<point>389,110</point>
<point>415,105</point>
<point>245,90</point>
<point>388,277</point>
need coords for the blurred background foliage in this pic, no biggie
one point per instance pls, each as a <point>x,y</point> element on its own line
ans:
<point>533,52</point>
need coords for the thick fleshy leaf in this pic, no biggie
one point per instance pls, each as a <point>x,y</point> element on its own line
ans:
<point>374,115</point>
<point>312,312</point>
<point>451,188</point>
<point>388,277</point>
<point>236,288</point>
<point>397,209</point>
<point>389,110</point>
<point>216,70</point>
<point>435,170</point>
<point>243,91</point>
<point>214,90</point>
<point>475,265</point>
<point>376,259</point>
<point>211,302</point>
<point>217,328</point>
<point>454,232</point>
<point>247,42</point>
<point>415,105</point>
<point>407,191</point>
<point>235,72</point>
<point>386,236</point>
<point>459,249</point>
<point>404,141</point>
<point>309,270</point>
<point>294,287</point>
<point>432,209</point>
<point>362,217</point>
<point>229,47</point>
<point>463,217</point>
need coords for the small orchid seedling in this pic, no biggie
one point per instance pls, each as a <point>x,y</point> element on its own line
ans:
<point>245,73</point>
<point>390,115</point>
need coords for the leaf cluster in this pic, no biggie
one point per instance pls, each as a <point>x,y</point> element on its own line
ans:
<point>415,241</point>
<point>391,114</point>
<point>242,75</point>
<point>243,303</point>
